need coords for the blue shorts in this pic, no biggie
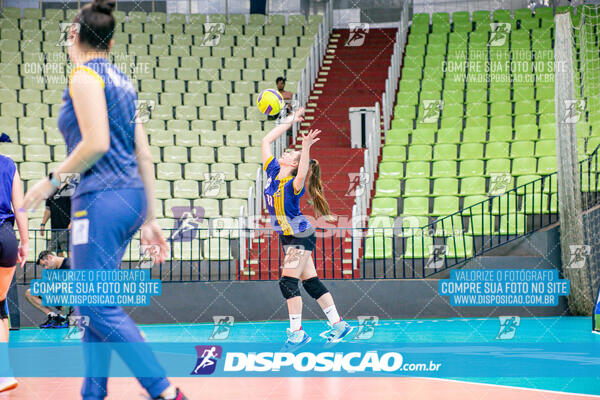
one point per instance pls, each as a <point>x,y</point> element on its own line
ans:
<point>103,224</point>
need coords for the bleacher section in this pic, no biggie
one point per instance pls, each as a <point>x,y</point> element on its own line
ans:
<point>475,104</point>
<point>203,94</point>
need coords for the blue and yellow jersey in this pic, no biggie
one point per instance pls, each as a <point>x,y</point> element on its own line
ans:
<point>118,168</point>
<point>283,202</point>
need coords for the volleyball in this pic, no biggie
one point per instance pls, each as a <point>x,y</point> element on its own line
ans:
<point>270,102</point>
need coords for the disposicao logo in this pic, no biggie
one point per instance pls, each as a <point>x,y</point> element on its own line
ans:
<point>207,359</point>
<point>317,362</point>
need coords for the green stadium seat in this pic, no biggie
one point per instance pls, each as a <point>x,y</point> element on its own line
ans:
<point>161,139</point>
<point>482,225</point>
<point>415,206</point>
<point>185,189</point>
<point>253,155</point>
<point>443,152</point>
<point>247,171</point>
<point>471,168</point>
<point>528,184</point>
<point>387,188</point>
<point>506,203</point>
<point>39,153</point>
<point>448,136</point>
<point>168,171</point>
<point>512,224</point>
<point>233,207</point>
<point>445,205</point>
<point>524,166</point>
<point>473,185</point>
<point>227,170</point>
<point>227,227</point>
<point>237,139</point>
<point>523,93</point>
<point>391,170</point>
<point>383,206</point>
<point>418,246</point>
<point>501,134</point>
<point>444,169</point>
<point>32,170</point>
<point>378,247</point>
<point>393,153</point>
<point>471,151</point>
<point>417,169</point>
<point>202,154</point>
<point>416,187</point>
<point>474,135</point>
<point>239,188</point>
<point>32,136</point>
<point>217,249</point>
<point>459,247</point>
<point>210,206</point>
<point>380,226</point>
<point>522,149</point>
<point>476,204</point>
<point>229,155</point>
<point>415,153</point>
<point>445,187</point>
<point>186,139</point>
<point>498,165</point>
<point>195,171</point>
<point>162,189</point>
<point>526,132</point>
<point>545,148</point>
<point>547,165</point>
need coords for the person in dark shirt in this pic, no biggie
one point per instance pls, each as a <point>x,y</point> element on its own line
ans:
<point>58,210</point>
<point>47,259</point>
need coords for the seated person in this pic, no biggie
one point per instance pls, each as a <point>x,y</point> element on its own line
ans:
<point>47,259</point>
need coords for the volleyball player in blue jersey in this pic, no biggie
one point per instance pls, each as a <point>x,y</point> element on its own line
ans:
<point>285,186</point>
<point>11,252</point>
<point>107,145</point>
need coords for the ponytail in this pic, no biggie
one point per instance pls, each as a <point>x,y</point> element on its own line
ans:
<point>315,189</point>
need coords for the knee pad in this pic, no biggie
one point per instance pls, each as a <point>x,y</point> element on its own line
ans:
<point>3,309</point>
<point>289,287</point>
<point>314,287</point>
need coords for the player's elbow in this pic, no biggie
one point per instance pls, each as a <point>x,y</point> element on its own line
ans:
<point>98,146</point>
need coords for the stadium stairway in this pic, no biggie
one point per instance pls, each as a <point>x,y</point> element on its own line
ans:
<point>351,76</point>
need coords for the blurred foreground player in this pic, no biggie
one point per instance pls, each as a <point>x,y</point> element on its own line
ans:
<point>11,253</point>
<point>107,145</point>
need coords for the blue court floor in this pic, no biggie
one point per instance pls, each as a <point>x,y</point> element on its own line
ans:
<point>474,330</point>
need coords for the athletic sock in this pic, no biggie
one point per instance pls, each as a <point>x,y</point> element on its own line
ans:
<point>332,314</point>
<point>52,314</point>
<point>295,322</point>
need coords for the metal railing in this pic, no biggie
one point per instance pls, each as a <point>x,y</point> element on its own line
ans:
<point>392,248</point>
<point>391,83</point>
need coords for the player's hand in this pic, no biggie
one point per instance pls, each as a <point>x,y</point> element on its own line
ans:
<point>22,254</point>
<point>38,193</point>
<point>152,235</point>
<point>299,115</point>
<point>310,138</point>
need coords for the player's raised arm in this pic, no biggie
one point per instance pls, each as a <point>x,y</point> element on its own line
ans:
<point>307,141</point>
<point>278,131</point>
